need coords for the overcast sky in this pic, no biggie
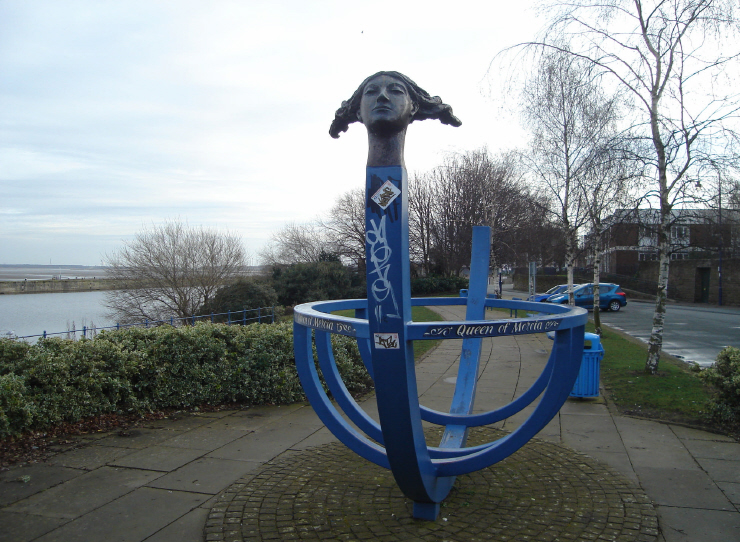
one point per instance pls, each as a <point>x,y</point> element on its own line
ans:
<point>117,115</point>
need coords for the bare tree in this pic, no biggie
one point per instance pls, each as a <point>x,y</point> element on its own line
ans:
<point>676,59</point>
<point>569,118</point>
<point>608,188</point>
<point>345,227</point>
<point>421,220</point>
<point>171,270</point>
<point>296,243</point>
<point>470,189</point>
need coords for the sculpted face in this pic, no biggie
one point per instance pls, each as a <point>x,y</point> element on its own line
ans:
<point>386,106</point>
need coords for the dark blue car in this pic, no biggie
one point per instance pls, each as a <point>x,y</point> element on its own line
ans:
<point>611,297</point>
<point>559,289</point>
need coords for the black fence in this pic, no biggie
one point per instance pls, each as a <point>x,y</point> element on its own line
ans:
<point>261,315</point>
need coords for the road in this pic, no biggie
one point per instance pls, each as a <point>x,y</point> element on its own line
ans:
<point>694,333</point>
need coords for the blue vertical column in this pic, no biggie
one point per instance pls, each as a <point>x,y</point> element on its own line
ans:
<point>389,310</point>
<point>455,436</point>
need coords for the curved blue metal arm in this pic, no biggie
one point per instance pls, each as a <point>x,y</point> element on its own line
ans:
<point>322,405</point>
<point>339,391</point>
<point>385,333</point>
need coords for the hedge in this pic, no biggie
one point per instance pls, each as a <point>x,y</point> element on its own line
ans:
<point>724,375</point>
<point>432,284</point>
<point>139,370</point>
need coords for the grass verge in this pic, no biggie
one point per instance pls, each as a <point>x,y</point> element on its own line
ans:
<point>675,394</point>
<point>418,314</point>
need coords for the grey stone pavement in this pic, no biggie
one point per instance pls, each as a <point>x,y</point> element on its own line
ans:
<point>158,482</point>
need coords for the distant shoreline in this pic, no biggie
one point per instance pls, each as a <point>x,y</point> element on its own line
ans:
<point>29,272</point>
<point>12,287</point>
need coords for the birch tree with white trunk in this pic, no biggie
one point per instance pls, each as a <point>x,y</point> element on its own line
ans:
<point>678,60</point>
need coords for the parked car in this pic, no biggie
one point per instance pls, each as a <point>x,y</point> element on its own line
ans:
<point>611,297</point>
<point>559,289</point>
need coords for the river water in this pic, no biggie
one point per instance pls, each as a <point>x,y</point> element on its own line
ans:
<point>32,314</point>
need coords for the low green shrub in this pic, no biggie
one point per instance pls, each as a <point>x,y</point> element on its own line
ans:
<point>724,375</point>
<point>138,370</point>
<point>432,284</point>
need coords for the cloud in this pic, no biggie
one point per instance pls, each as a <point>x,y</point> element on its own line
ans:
<point>119,114</point>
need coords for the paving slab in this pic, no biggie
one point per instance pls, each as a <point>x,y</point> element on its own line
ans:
<point>158,458</point>
<point>683,488</point>
<point>268,442</point>
<point>711,449</point>
<point>322,436</point>
<point>90,457</point>
<point>697,525</point>
<point>15,527</point>
<point>690,433</point>
<point>731,491</point>
<point>721,470</point>
<point>619,461</point>
<point>20,483</point>
<point>84,493</point>
<point>206,475</point>
<point>188,528</point>
<point>142,437</point>
<point>590,433</point>
<point>205,438</point>
<point>132,518</point>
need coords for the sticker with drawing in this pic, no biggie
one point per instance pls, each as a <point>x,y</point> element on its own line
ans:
<point>387,341</point>
<point>386,194</point>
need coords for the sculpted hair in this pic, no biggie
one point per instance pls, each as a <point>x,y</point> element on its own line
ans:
<point>430,107</point>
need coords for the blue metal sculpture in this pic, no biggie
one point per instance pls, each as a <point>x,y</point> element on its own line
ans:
<point>385,331</point>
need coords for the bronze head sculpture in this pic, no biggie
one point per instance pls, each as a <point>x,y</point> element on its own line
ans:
<point>386,103</point>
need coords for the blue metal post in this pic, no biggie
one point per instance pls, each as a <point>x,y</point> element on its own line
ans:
<point>229,316</point>
<point>273,314</point>
<point>259,315</point>
<point>389,308</point>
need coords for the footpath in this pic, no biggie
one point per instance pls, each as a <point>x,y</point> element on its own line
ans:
<point>163,481</point>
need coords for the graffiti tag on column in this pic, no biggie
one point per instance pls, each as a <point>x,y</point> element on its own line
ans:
<point>380,255</point>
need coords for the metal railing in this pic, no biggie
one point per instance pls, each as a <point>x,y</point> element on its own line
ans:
<point>264,315</point>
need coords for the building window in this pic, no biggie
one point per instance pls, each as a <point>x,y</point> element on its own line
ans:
<point>648,237</point>
<point>680,235</point>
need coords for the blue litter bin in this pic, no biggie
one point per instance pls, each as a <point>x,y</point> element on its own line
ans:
<point>587,383</point>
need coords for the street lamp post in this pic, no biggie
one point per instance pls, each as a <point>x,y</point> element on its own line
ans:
<point>719,271</point>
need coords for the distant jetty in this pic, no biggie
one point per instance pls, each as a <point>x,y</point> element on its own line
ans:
<point>55,286</point>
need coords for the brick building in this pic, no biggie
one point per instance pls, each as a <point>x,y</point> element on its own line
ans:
<point>698,238</point>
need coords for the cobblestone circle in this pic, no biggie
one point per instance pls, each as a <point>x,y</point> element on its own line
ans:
<point>544,492</point>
